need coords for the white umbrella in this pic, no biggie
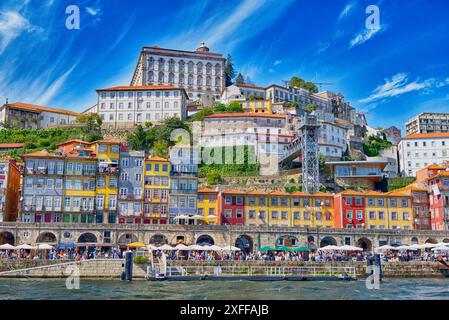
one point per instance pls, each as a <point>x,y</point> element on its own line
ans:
<point>231,248</point>
<point>181,217</point>
<point>428,245</point>
<point>442,244</point>
<point>197,216</point>
<point>182,247</point>
<point>7,246</point>
<point>216,248</point>
<point>329,248</point>
<point>405,248</point>
<point>44,246</point>
<point>442,248</point>
<point>196,247</point>
<point>211,216</point>
<point>416,246</point>
<point>152,248</point>
<point>25,246</point>
<point>166,247</point>
<point>384,248</point>
<point>349,248</point>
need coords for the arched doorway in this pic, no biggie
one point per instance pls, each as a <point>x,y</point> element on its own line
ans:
<point>7,237</point>
<point>328,241</point>
<point>414,240</point>
<point>180,239</point>
<point>287,241</point>
<point>365,244</point>
<point>46,237</point>
<point>446,240</point>
<point>245,243</point>
<point>205,240</point>
<point>431,240</point>
<point>87,238</point>
<point>158,240</point>
<point>127,238</point>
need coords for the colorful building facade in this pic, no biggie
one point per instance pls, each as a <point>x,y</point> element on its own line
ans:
<point>157,188</point>
<point>207,205</point>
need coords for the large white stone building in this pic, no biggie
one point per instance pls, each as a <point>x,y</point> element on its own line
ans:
<point>199,72</point>
<point>30,116</point>
<point>417,151</point>
<point>127,106</point>
<point>332,141</point>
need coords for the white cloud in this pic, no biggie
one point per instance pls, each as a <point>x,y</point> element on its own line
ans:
<point>399,84</point>
<point>365,35</point>
<point>277,62</point>
<point>93,11</point>
<point>348,7</point>
<point>12,25</point>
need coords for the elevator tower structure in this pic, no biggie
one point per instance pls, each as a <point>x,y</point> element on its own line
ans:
<point>309,151</point>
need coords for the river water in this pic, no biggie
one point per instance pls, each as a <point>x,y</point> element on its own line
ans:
<point>391,289</point>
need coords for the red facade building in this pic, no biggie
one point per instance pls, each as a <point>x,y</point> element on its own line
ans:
<point>350,210</point>
<point>439,200</point>
<point>232,207</point>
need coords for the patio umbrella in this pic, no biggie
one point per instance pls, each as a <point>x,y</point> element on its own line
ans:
<point>283,248</point>
<point>7,246</point>
<point>196,247</point>
<point>349,248</point>
<point>166,247</point>
<point>25,247</point>
<point>405,248</point>
<point>442,244</point>
<point>384,248</point>
<point>215,248</point>
<point>44,246</point>
<point>441,248</point>
<point>264,249</point>
<point>152,248</point>
<point>182,247</point>
<point>211,216</point>
<point>198,217</point>
<point>428,245</point>
<point>329,248</point>
<point>298,249</point>
<point>136,245</point>
<point>231,248</point>
<point>181,217</point>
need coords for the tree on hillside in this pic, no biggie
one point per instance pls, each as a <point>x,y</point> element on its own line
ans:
<point>310,108</point>
<point>199,116</point>
<point>239,79</point>
<point>300,83</point>
<point>137,140</point>
<point>229,70</point>
<point>160,149</point>
<point>163,133</point>
<point>219,107</point>
<point>92,121</point>
<point>234,106</point>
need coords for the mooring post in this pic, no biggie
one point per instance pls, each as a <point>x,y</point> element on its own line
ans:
<point>128,273</point>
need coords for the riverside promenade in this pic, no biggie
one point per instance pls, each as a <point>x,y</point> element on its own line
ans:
<point>112,268</point>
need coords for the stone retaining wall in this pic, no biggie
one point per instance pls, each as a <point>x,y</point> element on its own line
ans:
<point>113,268</point>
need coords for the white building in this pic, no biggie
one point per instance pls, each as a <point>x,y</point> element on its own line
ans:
<point>389,155</point>
<point>125,107</point>
<point>199,72</point>
<point>332,140</point>
<point>428,122</point>
<point>417,151</point>
<point>30,116</point>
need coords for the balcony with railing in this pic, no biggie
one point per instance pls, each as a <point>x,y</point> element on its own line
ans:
<point>108,168</point>
<point>129,196</point>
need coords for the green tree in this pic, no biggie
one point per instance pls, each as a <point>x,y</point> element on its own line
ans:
<point>163,133</point>
<point>213,177</point>
<point>229,71</point>
<point>234,106</point>
<point>199,116</point>
<point>296,82</point>
<point>92,121</point>
<point>160,149</point>
<point>310,108</point>
<point>239,79</point>
<point>374,144</point>
<point>311,87</point>
<point>137,140</point>
<point>148,124</point>
<point>219,107</point>
<point>252,96</point>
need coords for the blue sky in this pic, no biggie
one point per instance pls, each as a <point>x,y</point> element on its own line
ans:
<point>390,74</point>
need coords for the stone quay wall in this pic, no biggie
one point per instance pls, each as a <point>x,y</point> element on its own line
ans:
<point>108,268</point>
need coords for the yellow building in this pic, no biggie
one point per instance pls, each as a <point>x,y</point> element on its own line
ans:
<point>108,155</point>
<point>156,190</point>
<point>400,211</point>
<point>376,210</point>
<point>280,213</point>
<point>207,205</point>
<point>257,106</point>
<point>313,210</point>
<point>256,208</point>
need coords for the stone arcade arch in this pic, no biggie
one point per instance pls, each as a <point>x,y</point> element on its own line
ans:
<point>158,240</point>
<point>414,240</point>
<point>365,244</point>
<point>87,238</point>
<point>245,243</point>
<point>432,240</point>
<point>127,238</point>
<point>327,241</point>
<point>7,237</point>
<point>205,240</point>
<point>288,241</point>
<point>46,237</point>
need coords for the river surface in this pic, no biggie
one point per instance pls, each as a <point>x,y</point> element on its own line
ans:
<point>391,289</point>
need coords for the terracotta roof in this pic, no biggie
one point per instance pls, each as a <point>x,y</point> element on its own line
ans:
<point>140,88</point>
<point>36,108</point>
<point>426,135</point>
<point>40,154</point>
<point>300,193</point>
<point>156,159</point>
<point>278,193</point>
<point>11,145</point>
<point>441,173</point>
<point>233,191</point>
<point>321,194</point>
<point>434,167</point>
<point>111,141</point>
<point>256,192</point>
<point>245,115</point>
<point>397,193</point>
<point>375,193</point>
<point>207,190</point>
<point>352,193</point>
